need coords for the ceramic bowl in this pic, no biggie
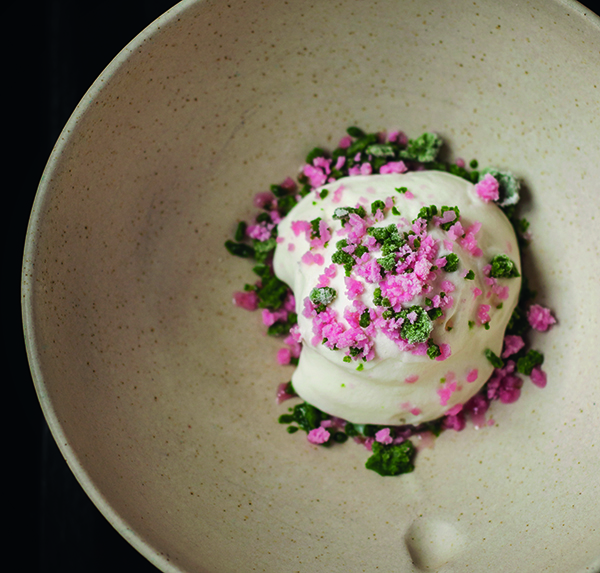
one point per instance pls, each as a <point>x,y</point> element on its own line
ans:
<point>160,392</point>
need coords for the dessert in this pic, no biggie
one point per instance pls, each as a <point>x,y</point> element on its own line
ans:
<point>395,281</point>
<point>396,311</point>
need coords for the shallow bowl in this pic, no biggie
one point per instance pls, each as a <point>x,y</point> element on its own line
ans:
<point>160,393</point>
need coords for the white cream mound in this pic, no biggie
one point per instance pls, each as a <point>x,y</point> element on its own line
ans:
<point>373,373</point>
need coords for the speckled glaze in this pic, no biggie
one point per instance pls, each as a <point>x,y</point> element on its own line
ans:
<point>160,393</point>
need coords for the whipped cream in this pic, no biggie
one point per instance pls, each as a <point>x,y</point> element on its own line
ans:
<point>374,366</point>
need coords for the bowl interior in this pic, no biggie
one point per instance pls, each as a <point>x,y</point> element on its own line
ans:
<point>160,392</point>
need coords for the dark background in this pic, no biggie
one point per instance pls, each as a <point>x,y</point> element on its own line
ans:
<point>59,47</point>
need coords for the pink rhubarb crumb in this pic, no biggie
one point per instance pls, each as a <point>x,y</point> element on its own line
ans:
<point>483,316</point>
<point>445,392</point>
<point>318,435</point>
<point>488,189</point>
<point>247,300</point>
<point>284,355</point>
<point>282,394</point>
<point>538,377</point>
<point>411,379</point>
<point>512,344</point>
<point>445,352</point>
<point>472,375</point>
<point>454,410</point>
<point>383,436</point>
<point>540,318</point>
<point>393,167</point>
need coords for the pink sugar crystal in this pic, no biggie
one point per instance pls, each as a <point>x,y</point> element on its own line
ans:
<point>446,391</point>
<point>393,167</point>
<point>345,142</point>
<point>488,189</point>
<point>262,199</point>
<point>247,300</point>
<point>445,352</point>
<point>454,410</point>
<point>383,436</point>
<point>512,344</point>
<point>472,375</point>
<point>540,318</point>
<point>538,377</point>
<point>284,356</point>
<point>483,314</point>
<point>318,435</point>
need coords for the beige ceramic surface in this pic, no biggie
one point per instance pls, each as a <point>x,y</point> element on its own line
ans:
<point>160,392</point>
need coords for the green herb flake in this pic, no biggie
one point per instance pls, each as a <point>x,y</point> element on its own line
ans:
<point>239,249</point>
<point>525,364</point>
<point>307,416</point>
<point>503,267</point>
<point>470,275</point>
<point>452,262</point>
<point>315,232</point>
<point>474,164</point>
<point>356,132</point>
<point>324,193</point>
<point>359,368</point>
<point>419,330</point>
<point>427,213</point>
<point>388,262</point>
<point>401,190</point>
<point>392,460</point>
<point>494,360</point>
<point>395,211</point>
<point>262,249</point>
<point>380,150</point>
<point>424,148</point>
<point>433,350</point>
<point>365,319</point>
<point>322,296</point>
<point>377,206</point>
<point>434,313</point>
<point>240,232</point>
<point>471,324</point>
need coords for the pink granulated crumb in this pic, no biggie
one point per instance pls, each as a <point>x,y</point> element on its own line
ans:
<point>538,377</point>
<point>455,422</point>
<point>345,142</point>
<point>284,356</point>
<point>488,189</point>
<point>454,410</point>
<point>540,318</point>
<point>483,316</point>
<point>393,167</point>
<point>411,379</point>
<point>445,392</point>
<point>472,375</point>
<point>383,436</point>
<point>247,300</point>
<point>445,352</point>
<point>282,394</point>
<point>318,435</point>
<point>512,344</point>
